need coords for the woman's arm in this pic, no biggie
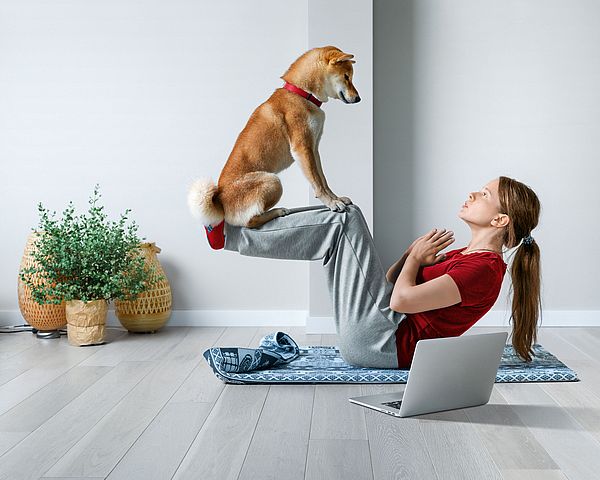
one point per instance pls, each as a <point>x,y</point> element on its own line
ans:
<point>407,296</point>
<point>396,268</point>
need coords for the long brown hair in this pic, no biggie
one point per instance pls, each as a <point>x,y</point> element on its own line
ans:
<point>522,206</point>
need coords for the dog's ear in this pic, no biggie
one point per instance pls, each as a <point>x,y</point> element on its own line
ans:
<point>343,57</point>
<point>336,56</point>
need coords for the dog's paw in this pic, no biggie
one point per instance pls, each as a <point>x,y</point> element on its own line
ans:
<point>284,211</point>
<point>346,200</point>
<point>336,205</point>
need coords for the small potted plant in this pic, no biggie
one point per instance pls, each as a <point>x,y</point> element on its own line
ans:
<point>86,261</point>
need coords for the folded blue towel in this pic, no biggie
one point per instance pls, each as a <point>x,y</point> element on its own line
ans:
<point>274,349</point>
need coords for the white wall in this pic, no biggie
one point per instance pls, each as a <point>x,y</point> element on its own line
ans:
<point>486,89</point>
<point>347,143</point>
<point>142,98</point>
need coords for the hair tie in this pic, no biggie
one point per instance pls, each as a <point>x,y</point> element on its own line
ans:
<point>528,240</point>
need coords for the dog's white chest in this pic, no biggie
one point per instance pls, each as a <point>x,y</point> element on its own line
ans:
<point>315,125</point>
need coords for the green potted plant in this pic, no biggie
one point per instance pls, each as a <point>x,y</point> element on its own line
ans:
<point>86,261</point>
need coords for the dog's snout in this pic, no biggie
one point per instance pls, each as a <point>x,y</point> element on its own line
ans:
<point>357,99</point>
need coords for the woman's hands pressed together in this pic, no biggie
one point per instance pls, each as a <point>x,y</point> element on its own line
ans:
<point>407,296</point>
<point>425,249</point>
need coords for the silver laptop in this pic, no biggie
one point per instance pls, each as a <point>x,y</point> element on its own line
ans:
<point>445,374</point>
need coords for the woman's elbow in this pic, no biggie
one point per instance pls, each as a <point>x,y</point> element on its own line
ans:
<point>402,305</point>
<point>395,308</point>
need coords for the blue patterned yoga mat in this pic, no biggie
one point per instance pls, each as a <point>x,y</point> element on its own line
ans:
<point>279,359</point>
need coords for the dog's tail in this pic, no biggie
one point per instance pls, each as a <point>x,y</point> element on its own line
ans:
<point>203,201</point>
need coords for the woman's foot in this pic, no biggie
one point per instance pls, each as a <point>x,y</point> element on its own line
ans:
<point>215,235</point>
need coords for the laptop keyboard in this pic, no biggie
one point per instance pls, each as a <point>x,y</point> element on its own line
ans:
<point>395,404</point>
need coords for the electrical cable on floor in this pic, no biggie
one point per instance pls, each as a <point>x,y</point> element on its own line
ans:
<point>16,328</point>
<point>28,328</point>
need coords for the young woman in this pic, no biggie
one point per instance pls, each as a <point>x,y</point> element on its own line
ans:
<point>380,317</point>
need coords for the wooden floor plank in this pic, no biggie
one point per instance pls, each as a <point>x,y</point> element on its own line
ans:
<point>98,452</point>
<point>220,447</point>
<point>32,412</point>
<point>41,449</point>
<point>510,443</point>
<point>64,358</point>
<point>25,358</point>
<point>398,447</point>
<point>574,450</point>
<point>528,474</point>
<point>280,440</point>
<point>158,451</point>
<point>338,459</point>
<point>455,447</point>
<point>285,423</point>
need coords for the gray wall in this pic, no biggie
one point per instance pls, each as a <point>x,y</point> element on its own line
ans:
<point>469,90</point>
<point>393,142</point>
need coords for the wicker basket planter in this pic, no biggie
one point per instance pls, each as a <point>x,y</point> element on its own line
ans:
<point>86,322</point>
<point>151,310</point>
<point>43,317</point>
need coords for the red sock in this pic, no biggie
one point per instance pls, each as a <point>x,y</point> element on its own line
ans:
<point>216,238</point>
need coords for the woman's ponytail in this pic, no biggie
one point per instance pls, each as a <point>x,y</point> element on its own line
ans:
<point>522,206</point>
<point>526,304</point>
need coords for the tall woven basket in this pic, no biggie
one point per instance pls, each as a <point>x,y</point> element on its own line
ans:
<point>43,317</point>
<point>151,310</point>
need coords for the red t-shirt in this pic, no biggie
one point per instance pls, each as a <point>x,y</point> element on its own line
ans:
<point>478,277</point>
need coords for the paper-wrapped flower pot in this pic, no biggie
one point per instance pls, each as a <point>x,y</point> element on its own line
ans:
<point>86,322</point>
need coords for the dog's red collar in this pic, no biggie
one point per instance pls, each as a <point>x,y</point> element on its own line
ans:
<point>302,93</point>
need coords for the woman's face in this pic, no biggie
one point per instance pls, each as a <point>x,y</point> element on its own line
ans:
<point>482,206</point>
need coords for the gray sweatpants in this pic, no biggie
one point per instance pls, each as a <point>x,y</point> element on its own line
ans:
<point>364,321</point>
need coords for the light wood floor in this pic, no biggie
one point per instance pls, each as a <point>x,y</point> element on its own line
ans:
<point>149,407</point>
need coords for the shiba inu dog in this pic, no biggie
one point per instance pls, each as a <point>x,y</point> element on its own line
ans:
<point>286,127</point>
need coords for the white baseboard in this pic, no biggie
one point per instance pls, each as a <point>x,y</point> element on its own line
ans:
<point>202,318</point>
<point>319,325</point>
<point>550,318</point>
<point>230,318</point>
<point>494,318</point>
